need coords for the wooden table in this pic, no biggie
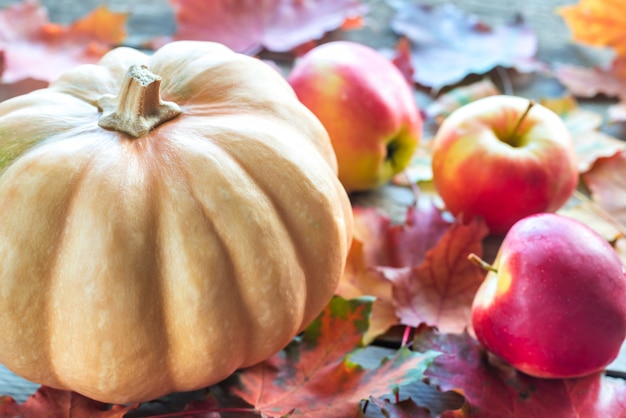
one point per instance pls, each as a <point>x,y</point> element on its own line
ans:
<point>151,18</point>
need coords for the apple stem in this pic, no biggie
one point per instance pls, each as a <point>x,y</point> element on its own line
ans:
<point>481,263</point>
<point>531,103</point>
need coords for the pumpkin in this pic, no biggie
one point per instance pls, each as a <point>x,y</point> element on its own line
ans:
<point>165,220</point>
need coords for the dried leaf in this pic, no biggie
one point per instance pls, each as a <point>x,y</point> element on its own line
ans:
<point>598,23</point>
<point>439,291</point>
<point>250,25</point>
<point>448,102</point>
<point>54,403</point>
<point>29,39</point>
<point>448,45</point>
<point>314,376</point>
<point>495,390</point>
<point>607,184</point>
<point>379,243</point>
<point>360,278</point>
<point>590,82</point>
<point>584,125</point>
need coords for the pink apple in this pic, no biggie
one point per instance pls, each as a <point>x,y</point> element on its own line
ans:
<point>556,304</point>
<point>367,107</point>
<point>501,160</point>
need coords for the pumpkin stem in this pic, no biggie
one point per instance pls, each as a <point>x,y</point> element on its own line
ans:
<point>138,108</point>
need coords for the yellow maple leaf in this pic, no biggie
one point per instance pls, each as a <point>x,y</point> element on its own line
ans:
<point>598,23</point>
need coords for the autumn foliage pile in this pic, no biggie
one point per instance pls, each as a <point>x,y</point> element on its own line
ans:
<point>406,275</point>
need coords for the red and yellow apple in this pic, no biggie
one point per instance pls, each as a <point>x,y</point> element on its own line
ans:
<point>367,107</point>
<point>554,305</point>
<point>503,158</point>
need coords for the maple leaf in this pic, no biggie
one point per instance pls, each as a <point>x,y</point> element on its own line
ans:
<point>598,23</point>
<point>33,47</point>
<point>495,390</point>
<point>250,25</point>
<point>584,125</point>
<point>607,184</point>
<point>590,82</point>
<point>377,244</point>
<point>440,290</point>
<point>314,376</point>
<point>54,403</point>
<point>448,45</point>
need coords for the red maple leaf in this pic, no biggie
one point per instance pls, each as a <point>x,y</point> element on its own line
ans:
<point>439,291</point>
<point>314,376</point>
<point>33,47</point>
<point>250,25</point>
<point>54,403</point>
<point>496,390</point>
<point>379,247</point>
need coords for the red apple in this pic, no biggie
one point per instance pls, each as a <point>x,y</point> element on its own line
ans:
<point>367,107</point>
<point>555,304</point>
<point>503,158</point>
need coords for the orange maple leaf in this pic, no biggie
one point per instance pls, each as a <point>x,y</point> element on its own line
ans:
<point>34,47</point>
<point>316,377</point>
<point>598,23</point>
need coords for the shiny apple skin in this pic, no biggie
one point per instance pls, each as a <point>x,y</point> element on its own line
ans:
<point>367,107</point>
<point>477,173</point>
<point>556,308</point>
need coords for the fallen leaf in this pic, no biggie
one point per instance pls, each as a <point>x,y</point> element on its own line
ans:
<point>404,409</point>
<point>495,390</point>
<point>448,45</point>
<point>250,25</point>
<point>314,376</point>
<point>607,184</point>
<point>361,279</point>
<point>377,242</point>
<point>448,102</point>
<point>54,403</point>
<point>33,47</point>
<point>591,82</point>
<point>440,290</point>
<point>598,23</point>
<point>584,125</point>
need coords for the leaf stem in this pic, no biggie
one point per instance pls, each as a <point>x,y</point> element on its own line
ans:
<point>481,263</point>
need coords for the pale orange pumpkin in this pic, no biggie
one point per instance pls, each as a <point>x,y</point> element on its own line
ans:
<point>149,246</point>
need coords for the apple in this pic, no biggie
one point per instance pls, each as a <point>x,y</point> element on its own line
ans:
<point>503,158</point>
<point>366,105</point>
<point>554,303</point>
